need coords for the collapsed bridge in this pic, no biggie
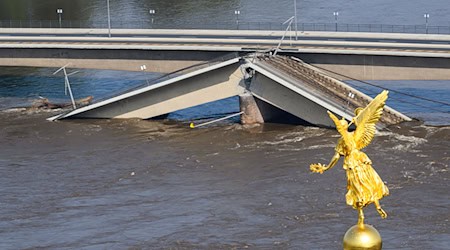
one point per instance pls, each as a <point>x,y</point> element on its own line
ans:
<point>270,87</point>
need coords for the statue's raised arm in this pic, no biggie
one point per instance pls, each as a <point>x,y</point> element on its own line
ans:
<point>342,128</point>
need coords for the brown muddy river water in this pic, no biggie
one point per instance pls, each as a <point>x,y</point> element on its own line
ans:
<point>132,184</point>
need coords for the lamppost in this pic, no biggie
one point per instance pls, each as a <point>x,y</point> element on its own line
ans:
<point>109,19</point>
<point>59,12</point>
<point>143,68</point>
<point>336,14</point>
<point>295,19</point>
<point>237,13</point>
<point>152,12</point>
<point>426,15</point>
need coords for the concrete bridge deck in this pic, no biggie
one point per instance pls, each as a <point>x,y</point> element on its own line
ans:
<point>366,56</point>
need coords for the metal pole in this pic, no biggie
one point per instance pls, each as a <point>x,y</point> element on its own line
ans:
<point>152,12</point>
<point>192,125</point>
<point>143,68</point>
<point>336,14</point>
<point>237,13</point>
<point>295,14</point>
<point>66,78</point>
<point>426,15</point>
<point>290,20</point>
<point>59,12</point>
<point>109,19</point>
<point>290,35</point>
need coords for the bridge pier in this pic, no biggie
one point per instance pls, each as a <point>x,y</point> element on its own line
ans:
<point>257,111</point>
<point>252,113</point>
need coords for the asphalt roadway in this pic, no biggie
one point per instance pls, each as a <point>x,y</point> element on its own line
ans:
<point>229,40</point>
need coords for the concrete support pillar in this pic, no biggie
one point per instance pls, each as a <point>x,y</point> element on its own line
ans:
<point>252,114</point>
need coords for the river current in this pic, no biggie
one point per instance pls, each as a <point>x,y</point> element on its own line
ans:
<point>134,184</point>
<point>157,184</point>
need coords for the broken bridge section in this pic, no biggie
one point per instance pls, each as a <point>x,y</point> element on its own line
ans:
<point>207,83</point>
<point>299,89</point>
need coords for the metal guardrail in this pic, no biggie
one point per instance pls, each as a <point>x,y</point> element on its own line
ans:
<point>232,25</point>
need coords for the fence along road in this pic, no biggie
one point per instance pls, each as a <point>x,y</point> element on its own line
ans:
<point>231,25</point>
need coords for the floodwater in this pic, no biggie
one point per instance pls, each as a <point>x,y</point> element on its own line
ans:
<point>157,184</point>
<point>134,184</point>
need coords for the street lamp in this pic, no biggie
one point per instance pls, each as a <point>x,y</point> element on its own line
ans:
<point>59,12</point>
<point>295,19</point>
<point>109,19</point>
<point>237,13</point>
<point>152,12</point>
<point>336,14</point>
<point>143,69</point>
<point>426,15</point>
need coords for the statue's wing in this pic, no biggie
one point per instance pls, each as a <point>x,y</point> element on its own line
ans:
<point>340,128</point>
<point>365,121</point>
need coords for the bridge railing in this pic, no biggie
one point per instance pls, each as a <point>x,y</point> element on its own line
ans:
<point>231,25</point>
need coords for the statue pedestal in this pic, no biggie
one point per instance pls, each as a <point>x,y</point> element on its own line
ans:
<point>362,237</point>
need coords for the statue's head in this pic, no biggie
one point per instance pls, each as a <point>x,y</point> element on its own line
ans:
<point>358,110</point>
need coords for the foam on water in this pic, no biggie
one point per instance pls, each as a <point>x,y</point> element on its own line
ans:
<point>408,142</point>
<point>405,142</point>
<point>284,141</point>
<point>321,146</point>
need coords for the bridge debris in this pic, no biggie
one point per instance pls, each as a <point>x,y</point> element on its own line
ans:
<point>44,103</point>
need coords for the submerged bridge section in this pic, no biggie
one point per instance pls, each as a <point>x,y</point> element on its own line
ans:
<point>306,92</point>
<point>211,82</point>
<point>269,86</point>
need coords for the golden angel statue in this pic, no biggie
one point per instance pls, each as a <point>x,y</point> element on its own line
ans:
<point>364,185</point>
